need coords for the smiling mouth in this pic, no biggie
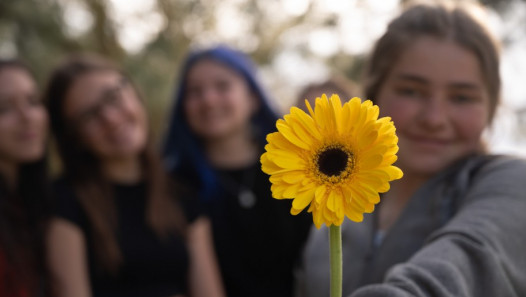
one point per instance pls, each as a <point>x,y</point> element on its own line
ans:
<point>212,115</point>
<point>429,141</point>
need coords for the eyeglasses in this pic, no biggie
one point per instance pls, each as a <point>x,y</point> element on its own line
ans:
<point>111,97</point>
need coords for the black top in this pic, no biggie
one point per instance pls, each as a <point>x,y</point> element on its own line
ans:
<point>257,240</point>
<point>151,266</point>
<point>23,221</point>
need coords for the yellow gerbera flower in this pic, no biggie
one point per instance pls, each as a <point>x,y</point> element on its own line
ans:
<point>337,159</point>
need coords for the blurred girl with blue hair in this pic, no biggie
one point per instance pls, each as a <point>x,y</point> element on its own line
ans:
<point>215,137</point>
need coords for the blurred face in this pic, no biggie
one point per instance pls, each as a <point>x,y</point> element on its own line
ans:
<point>23,119</point>
<point>436,97</point>
<point>218,102</point>
<point>104,109</point>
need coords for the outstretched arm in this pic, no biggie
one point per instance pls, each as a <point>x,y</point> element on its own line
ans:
<point>480,252</point>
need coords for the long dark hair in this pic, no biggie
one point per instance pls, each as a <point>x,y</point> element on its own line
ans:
<point>82,168</point>
<point>182,150</point>
<point>24,210</point>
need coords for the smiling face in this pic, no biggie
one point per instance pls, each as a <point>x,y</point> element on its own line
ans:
<point>437,99</point>
<point>23,119</point>
<point>106,113</point>
<point>218,101</point>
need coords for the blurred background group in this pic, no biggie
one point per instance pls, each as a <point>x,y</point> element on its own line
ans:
<point>294,43</point>
<point>158,111</point>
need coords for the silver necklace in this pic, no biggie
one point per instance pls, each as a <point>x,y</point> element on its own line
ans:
<point>246,198</point>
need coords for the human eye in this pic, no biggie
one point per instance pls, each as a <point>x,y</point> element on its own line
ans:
<point>193,92</point>
<point>223,85</point>
<point>5,106</point>
<point>88,116</point>
<point>112,95</point>
<point>409,91</point>
<point>113,98</point>
<point>464,98</point>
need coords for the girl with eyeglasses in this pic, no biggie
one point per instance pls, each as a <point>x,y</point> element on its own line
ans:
<point>121,227</point>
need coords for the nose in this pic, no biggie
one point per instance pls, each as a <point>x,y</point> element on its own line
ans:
<point>433,114</point>
<point>109,115</point>
<point>26,112</point>
<point>209,96</point>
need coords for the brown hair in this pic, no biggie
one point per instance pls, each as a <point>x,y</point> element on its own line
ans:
<point>82,168</point>
<point>441,22</point>
<point>24,210</point>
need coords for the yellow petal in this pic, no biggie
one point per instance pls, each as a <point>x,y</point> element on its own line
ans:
<point>317,218</point>
<point>288,133</point>
<point>268,166</point>
<point>331,201</point>
<point>307,122</point>
<point>294,211</point>
<point>301,132</point>
<point>336,105</point>
<point>291,153</point>
<point>303,199</point>
<point>394,172</point>
<point>294,177</point>
<point>291,191</point>
<point>278,141</point>
<point>277,191</point>
<point>368,139</point>
<point>371,162</point>
<point>290,163</point>
<point>320,193</point>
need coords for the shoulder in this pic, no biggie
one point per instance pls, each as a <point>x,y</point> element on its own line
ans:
<point>494,198</point>
<point>503,163</point>
<point>500,174</point>
<point>66,204</point>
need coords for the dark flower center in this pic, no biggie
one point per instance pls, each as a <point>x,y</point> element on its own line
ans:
<point>333,161</point>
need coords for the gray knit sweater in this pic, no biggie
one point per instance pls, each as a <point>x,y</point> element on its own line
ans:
<point>462,234</point>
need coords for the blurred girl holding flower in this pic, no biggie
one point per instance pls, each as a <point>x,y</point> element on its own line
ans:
<point>454,224</point>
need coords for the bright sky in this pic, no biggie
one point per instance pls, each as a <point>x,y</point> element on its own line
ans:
<point>361,23</point>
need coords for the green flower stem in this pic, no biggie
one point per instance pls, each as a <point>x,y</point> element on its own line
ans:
<point>335,242</point>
